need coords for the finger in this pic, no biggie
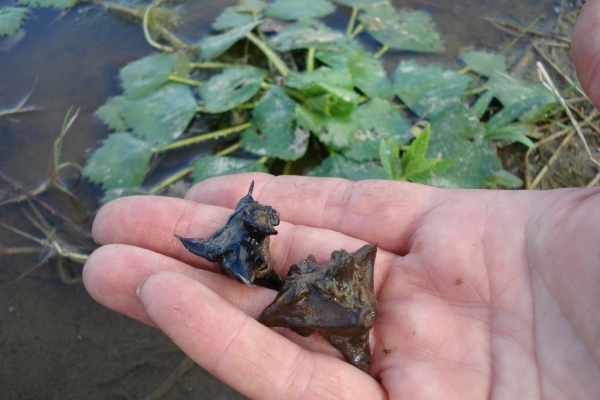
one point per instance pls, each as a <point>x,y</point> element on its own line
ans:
<point>585,49</point>
<point>112,273</point>
<point>241,352</point>
<point>152,223</point>
<point>380,211</point>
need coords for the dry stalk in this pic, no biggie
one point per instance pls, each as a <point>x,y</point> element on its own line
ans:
<point>547,81</point>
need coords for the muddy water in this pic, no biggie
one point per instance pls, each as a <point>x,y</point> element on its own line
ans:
<point>55,342</point>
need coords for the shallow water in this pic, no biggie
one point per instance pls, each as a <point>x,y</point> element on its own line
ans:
<point>56,342</point>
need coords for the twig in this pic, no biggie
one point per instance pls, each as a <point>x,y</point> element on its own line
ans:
<point>594,181</point>
<point>172,379</point>
<point>45,205</point>
<point>544,170</point>
<point>507,26</point>
<point>547,81</point>
<point>558,70</point>
<point>19,108</point>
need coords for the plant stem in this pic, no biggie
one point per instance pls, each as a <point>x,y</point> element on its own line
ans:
<point>170,179</point>
<point>263,160</point>
<point>186,81</point>
<point>464,70</point>
<point>476,91</point>
<point>271,55</point>
<point>381,51</point>
<point>310,59</point>
<point>202,138</point>
<point>287,169</point>
<point>210,65</point>
<point>147,35</point>
<point>228,150</point>
<point>351,22</point>
<point>358,30</point>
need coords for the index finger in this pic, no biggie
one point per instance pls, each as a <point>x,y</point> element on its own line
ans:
<point>380,211</point>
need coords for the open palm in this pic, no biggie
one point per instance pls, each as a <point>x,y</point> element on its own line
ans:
<point>481,293</point>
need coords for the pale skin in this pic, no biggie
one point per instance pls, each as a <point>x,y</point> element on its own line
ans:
<point>482,294</point>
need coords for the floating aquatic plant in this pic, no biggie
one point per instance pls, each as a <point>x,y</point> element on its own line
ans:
<point>317,94</point>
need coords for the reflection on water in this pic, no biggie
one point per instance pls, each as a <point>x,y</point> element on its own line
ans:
<point>55,342</point>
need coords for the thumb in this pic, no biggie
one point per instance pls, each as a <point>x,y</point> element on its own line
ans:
<point>585,49</point>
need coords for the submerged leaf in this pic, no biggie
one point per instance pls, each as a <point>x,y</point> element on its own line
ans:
<point>289,10</point>
<point>428,90</point>
<point>230,18</point>
<point>121,162</point>
<point>403,30</point>
<point>335,132</point>
<point>338,166</point>
<point>143,76</point>
<point>213,46</point>
<point>307,34</point>
<point>457,135</point>
<point>367,71</point>
<point>11,19</point>
<point>50,3</point>
<point>209,166</point>
<point>110,113</point>
<point>377,119</point>
<point>532,98</point>
<point>484,63</point>
<point>232,87</point>
<point>274,133</point>
<point>163,115</point>
<point>249,6</point>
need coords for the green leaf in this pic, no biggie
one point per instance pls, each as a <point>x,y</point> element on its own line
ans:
<point>335,132</point>
<point>474,158</point>
<point>213,46</point>
<point>505,179</point>
<point>209,166</point>
<point>377,119</point>
<point>388,154</point>
<point>483,102</point>
<point>307,34</point>
<point>338,166</point>
<point>367,71</point>
<point>402,30</point>
<point>332,101</point>
<point>360,4</point>
<point>289,10</point>
<point>428,90</point>
<point>163,115</point>
<point>515,132</point>
<point>484,63</point>
<point>121,161</point>
<point>510,90</point>
<point>230,18</point>
<point>274,133</point>
<point>250,6</point>
<point>110,113</point>
<point>415,167</point>
<point>11,19</point>
<point>143,76</point>
<point>50,3</point>
<point>310,82</point>
<point>232,87</point>
<point>112,194</point>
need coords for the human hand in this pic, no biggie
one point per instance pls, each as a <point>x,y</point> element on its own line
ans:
<point>585,49</point>
<point>481,293</point>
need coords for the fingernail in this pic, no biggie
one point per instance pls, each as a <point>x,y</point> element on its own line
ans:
<point>138,290</point>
